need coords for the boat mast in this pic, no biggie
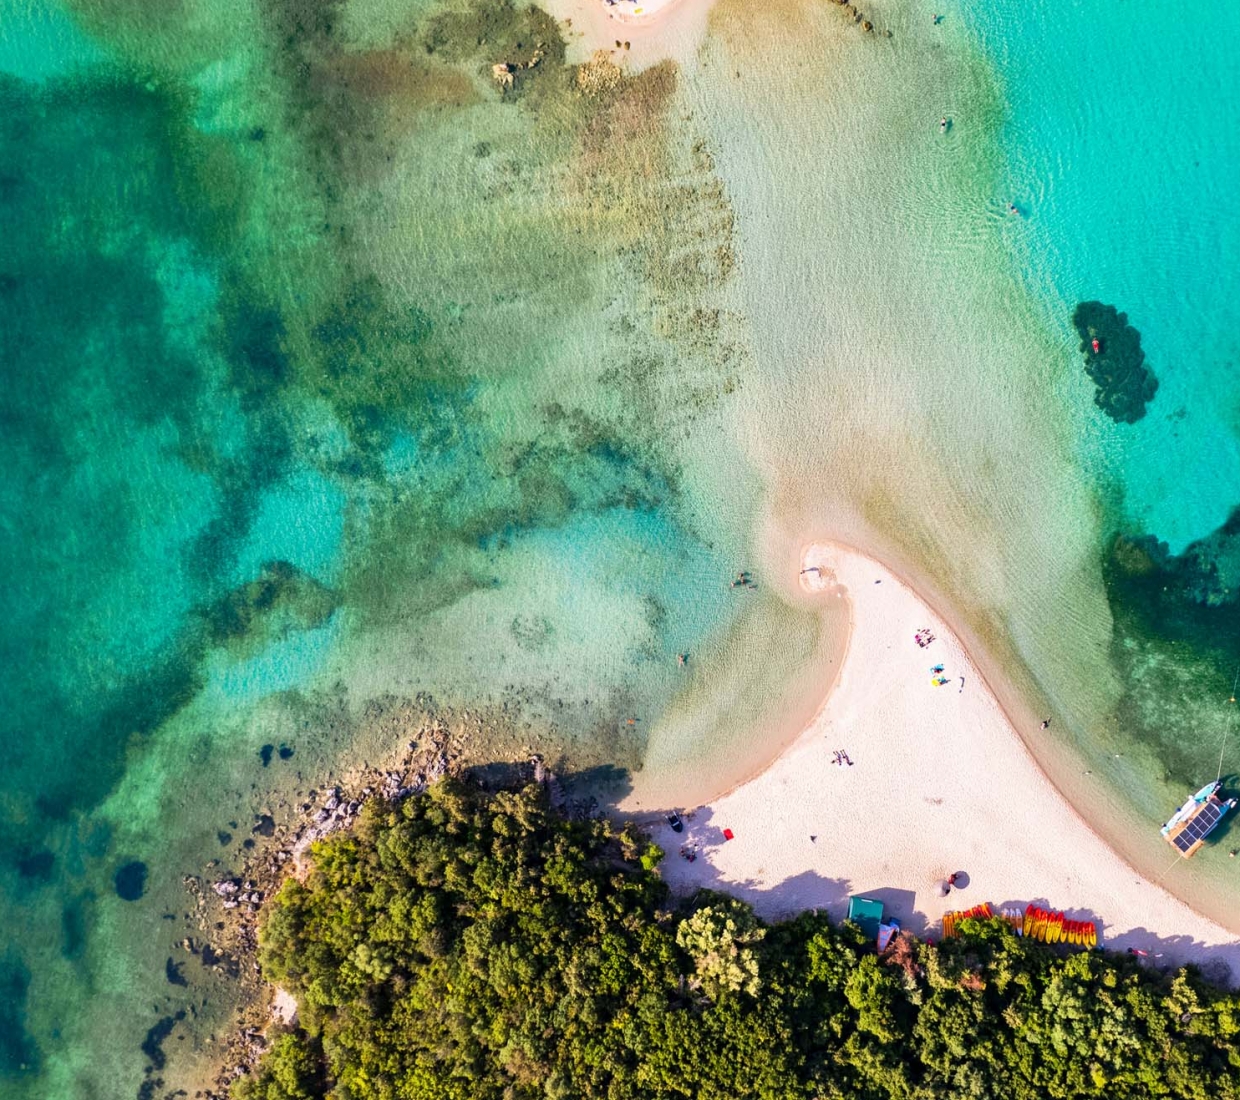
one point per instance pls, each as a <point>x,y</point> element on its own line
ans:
<point>1227,729</point>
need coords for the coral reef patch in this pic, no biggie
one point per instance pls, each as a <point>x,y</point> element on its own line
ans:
<point>1176,643</point>
<point>1114,361</point>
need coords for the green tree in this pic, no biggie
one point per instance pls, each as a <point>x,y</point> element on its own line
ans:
<point>474,946</point>
<point>720,938</point>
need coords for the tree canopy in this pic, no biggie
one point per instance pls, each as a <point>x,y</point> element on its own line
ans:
<point>474,946</point>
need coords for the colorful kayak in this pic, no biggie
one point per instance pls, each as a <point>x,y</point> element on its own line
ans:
<point>1047,925</point>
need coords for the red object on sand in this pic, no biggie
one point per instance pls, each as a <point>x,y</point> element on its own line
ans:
<point>727,834</point>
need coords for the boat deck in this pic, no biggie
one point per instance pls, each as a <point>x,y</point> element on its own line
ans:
<point>1188,836</point>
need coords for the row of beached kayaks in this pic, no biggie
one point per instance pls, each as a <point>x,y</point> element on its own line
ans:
<point>1052,927</point>
<point>951,921</point>
<point>1037,923</point>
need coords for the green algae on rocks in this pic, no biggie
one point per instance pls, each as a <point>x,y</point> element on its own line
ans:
<point>1114,361</point>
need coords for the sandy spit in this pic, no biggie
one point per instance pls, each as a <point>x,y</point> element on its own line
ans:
<point>940,782</point>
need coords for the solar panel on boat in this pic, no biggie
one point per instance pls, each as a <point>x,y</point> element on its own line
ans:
<point>1207,817</point>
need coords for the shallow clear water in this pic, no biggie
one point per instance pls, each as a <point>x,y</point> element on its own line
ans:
<point>332,376</point>
<point>923,392</point>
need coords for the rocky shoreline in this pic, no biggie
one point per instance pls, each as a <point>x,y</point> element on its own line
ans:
<point>228,904</point>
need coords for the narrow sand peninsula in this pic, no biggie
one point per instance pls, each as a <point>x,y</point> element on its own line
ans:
<point>636,10</point>
<point>940,783</point>
<point>652,31</point>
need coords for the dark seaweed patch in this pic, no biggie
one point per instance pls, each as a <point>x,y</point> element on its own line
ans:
<point>172,971</point>
<point>1125,384</point>
<point>258,360</point>
<point>36,865</point>
<point>100,739</point>
<point>130,880</point>
<point>527,39</point>
<point>153,1044</point>
<point>18,1051</point>
<point>280,599</point>
<point>1192,594</point>
<point>74,926</point>
<point>1176,640</point>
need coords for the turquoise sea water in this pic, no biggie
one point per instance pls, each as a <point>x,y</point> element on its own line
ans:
<point>1117,146</point>
<point>332,375</point>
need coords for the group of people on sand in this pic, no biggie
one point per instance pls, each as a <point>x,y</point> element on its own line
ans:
<point>688,852</point>
<point>923,637</point>
<point>841,758</point>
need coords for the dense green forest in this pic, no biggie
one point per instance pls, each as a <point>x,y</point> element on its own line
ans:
<point>474,946</point>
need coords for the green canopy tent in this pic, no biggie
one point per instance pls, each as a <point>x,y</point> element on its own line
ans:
<point>867,914</point>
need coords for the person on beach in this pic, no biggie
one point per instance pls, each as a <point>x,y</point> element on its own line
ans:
<point>1046,723</point>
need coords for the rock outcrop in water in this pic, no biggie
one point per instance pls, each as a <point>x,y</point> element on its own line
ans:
<point>130,880</point>
<point>1114,361</point>
<point>1205,575</point>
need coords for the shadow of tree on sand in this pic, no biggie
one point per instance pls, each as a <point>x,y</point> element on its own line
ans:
<point>776,899</point>
<point>602,789</point>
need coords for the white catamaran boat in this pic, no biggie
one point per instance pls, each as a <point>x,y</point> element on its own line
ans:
<point>1196,819</point>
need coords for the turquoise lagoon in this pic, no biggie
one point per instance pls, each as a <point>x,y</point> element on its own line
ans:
<point>333,377</point>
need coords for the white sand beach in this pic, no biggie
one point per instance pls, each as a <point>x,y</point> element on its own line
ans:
<point>639,34</point>
<point>940,783</point>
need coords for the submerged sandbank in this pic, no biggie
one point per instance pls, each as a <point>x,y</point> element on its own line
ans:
<point>941,782</point>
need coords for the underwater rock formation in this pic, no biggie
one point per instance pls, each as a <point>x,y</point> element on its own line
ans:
<point>1114,361</point>
<point>130,880</point>
<point>1205,575</point>
<point>280,599</point>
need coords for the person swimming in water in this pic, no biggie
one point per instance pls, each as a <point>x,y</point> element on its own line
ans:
<point>1013,209</point>
<point>943,125</point>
